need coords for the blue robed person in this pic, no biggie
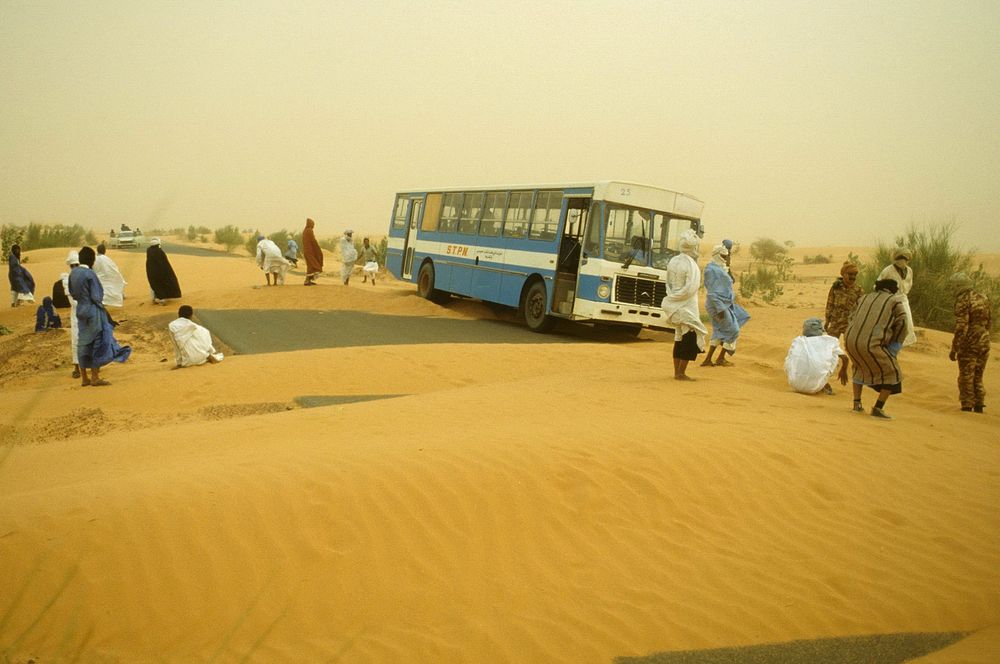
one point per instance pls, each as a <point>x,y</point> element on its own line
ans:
<point>46,317</point>
<point>728,317</point>
<point>96,345</point>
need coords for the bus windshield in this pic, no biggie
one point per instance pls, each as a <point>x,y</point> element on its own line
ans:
<point>639,237</point>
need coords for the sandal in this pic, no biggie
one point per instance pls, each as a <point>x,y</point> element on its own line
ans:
<point>76,373</point>
<point>100,383</point>
<point>85,383</point>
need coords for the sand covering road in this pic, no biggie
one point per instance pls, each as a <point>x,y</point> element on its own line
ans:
<point>559,501</point>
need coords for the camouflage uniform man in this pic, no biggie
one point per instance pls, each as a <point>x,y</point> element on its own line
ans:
<point>843,297</point>
<point>971,344</point>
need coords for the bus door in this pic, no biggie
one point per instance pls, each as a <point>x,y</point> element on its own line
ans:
<point>413,218</point>
<point>575,211</point>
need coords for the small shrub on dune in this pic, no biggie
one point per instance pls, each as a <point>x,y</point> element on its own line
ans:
<point>769,267</point>
<point>229,236</point>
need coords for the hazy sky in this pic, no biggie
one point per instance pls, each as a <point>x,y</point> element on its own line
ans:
<point>818,122</point>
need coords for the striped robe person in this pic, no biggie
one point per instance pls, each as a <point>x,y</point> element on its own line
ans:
<point>879,319</point>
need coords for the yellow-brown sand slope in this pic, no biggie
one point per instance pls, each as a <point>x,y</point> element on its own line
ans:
<point>523,503</point>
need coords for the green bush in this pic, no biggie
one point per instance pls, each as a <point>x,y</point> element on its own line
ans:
<point>280,238</point>
<point>769,267</point>
<point>251,243</point>
<point>818,259</point>
<point>44,236</point>
<point>761,279</point>
<point>767,250</point>
<point>229,236</point>
<point>934,259</point>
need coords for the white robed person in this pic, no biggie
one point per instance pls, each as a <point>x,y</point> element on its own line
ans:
<point>681,304</point>
<point>192,342</point>
<point>901,272</point>
<point>270,260</point>
<point>813,358</point>
<point>348,254</point>
<point>73,261</point>
<point>110,277</point>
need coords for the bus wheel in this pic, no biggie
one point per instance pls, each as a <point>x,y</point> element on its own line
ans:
<point>425,285</point>
<point>534,309</point>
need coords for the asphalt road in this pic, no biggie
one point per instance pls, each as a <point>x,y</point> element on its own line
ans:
<point>275,331</point>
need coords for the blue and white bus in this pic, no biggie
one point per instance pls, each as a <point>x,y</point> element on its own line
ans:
<point>593,252</point>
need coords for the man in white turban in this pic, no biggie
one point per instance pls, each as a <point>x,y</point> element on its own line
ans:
<point>348,254</point>
<point>901,272</point>
<point>813,358</point>
<point>73,261</point>
<point>681,304</point>
<point>192,342</point>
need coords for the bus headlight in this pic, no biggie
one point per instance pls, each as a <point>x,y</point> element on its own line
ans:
<point>603,291</point>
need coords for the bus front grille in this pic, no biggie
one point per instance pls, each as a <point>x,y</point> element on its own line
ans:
<point>645,292</point>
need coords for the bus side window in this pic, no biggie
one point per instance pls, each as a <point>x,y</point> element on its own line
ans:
<point>450,206</point>
<point>399,215</point>
<point>518,213</point>
<point>472,206</point>
<point>545,219</point>
<point>493,213</point>
<point>431,213</point>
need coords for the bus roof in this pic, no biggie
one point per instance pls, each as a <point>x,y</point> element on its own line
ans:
<point>617,191</point>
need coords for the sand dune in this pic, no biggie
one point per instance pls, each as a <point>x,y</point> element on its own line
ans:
<point>512,502</point>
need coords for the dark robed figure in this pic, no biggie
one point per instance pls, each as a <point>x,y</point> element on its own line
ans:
<point>161,277</point>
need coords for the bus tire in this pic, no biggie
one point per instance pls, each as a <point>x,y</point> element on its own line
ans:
<point>425,285</point>
<point>534,309</point>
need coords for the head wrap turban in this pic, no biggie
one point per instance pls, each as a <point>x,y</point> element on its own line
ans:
<point>689,242</point>
<point>888,285</point>
<point>728,244</point>
<point>813,327</point>
<point>719,253</point>
<point>848,266</point>
<point>960,281</point>
<point>902,252</point>
<point>155,242</point>
<point>73,258</point>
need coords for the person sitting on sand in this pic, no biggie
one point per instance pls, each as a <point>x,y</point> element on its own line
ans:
<point>192,342</point>
<point>96,344</point>
<point>680,305</point>
<point>270,260</point>
<point>728,317</point>
<point>46,317</point>
<point>874,337</point>
<point>813,358</point>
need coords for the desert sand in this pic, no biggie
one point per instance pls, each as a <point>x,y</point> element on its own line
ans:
<point>549,498</point>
